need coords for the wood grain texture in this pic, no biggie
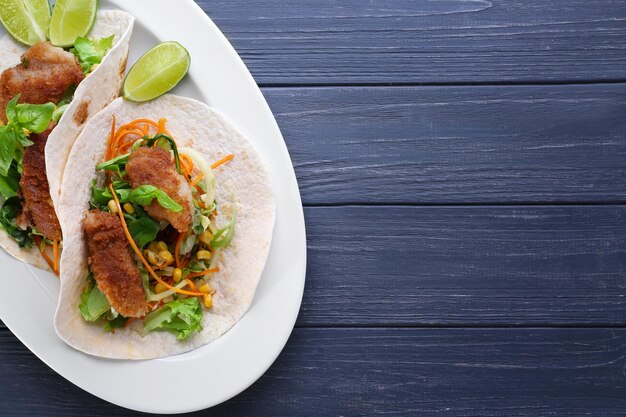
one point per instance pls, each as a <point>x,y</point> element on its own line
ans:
<point>395,372</point>
<point>421,41</point>
<point>465,266</point>
<point>440,145</point>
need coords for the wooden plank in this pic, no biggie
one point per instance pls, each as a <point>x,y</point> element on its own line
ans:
<point>411,41</point>
<point>465,266</point>
<point>395,372</point>
<point>440,145</point>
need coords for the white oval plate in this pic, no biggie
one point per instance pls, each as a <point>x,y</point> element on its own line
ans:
<point>226,367</point>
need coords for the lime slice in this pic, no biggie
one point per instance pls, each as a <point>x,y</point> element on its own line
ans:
<point>71,19</point>
<point>157,72</point>
<point>26,20</point>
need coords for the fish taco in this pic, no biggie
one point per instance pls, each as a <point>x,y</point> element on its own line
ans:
<point>168,215</point>
<point>47,94</point>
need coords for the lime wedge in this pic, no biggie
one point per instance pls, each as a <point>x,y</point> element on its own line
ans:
<point>26,20</point>
<point>71,19</point>
<point>157,72</point>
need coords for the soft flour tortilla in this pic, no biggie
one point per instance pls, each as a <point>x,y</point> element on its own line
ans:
<point>96,91</point>
<point>192,124</point>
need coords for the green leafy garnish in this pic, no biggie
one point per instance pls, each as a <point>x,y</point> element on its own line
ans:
<point>116,164</point>
<point>58,112</point>
<point>10,183</point>
<point>143,230</point>
<point>181,317</point>
<point>116,323</point>
<point>93,303</point>
<point>13,137</point>
<point>144,194</point>
<point>91,53</point>
<point>10,209</point>
<point>32,117</point>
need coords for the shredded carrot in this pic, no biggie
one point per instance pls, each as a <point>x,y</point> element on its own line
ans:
<point>55,252</point>
<point>121,134</point>
<point>146,121</point>
<point>42,249</point>
<point>161,128</point>
<point>201,273</point>
<point>177,249</point>
<point>129,321</point>
<point>200,203</point>
<point>110,140</point>
<point>125,147</point>
<point>223,161</point>
<point>186,165</point>
<point>138,252</point>
<point>197,180</point>
<point>191,284</point>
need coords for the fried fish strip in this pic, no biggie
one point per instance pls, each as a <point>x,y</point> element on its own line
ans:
<point>112,264</point>
<point>38,210</point>
<point>154,166</point>
<point>45,74</point>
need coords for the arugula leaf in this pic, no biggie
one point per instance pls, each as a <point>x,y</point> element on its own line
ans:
<point>93,303</point>
<point>99,196</point>
<point>144,194</point>
<point>181,317</point>
<point>10,209</point>
<point>143,230</point>
<point>114,164</point>
<point>91,53</point>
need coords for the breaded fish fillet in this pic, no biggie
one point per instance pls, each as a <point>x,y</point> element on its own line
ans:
<point>38,210</point>
<point>154,166</point>
<point>45,75</point>
<point>112,264</point>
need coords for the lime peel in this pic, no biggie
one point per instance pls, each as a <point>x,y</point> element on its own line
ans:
<point>158,71</point>
<point>71,19</point>
<point>26,20</point>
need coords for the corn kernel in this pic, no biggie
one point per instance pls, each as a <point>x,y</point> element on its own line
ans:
<point>128,208</point>
<point>161,246</point>
<point>203,255</point>
<point>206,237</point>
<point>155,259</point>
<point>166,256</point>
<point>205,288</point>
<point>208,300</point>
<point>112,206</point>
<point>159,288</point>
<point>178,274</point>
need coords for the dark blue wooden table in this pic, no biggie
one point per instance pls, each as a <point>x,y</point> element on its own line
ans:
<point>462,165</point>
